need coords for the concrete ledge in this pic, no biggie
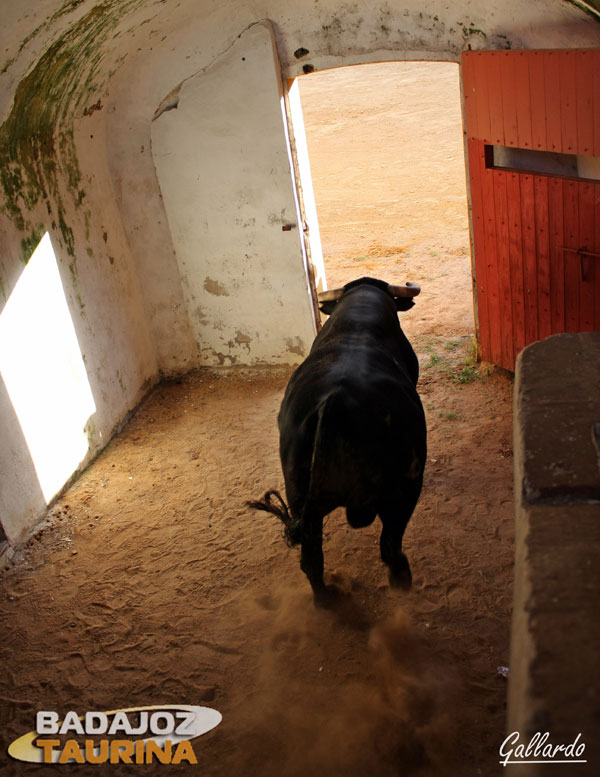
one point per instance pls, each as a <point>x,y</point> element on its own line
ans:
<point>555,647</point>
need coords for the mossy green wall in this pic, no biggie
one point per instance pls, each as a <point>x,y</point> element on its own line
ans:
<point>38,159</point>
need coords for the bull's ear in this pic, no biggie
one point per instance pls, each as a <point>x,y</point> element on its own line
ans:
<point>403,303</point>
<point>328,306</point>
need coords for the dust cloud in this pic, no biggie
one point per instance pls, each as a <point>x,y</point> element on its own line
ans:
<point>395,717</point>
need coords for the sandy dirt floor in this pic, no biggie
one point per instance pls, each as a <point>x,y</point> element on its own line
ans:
<point>155,584</point>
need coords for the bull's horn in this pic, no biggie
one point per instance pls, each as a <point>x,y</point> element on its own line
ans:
<point>330,294</point>
<point>409,290</point>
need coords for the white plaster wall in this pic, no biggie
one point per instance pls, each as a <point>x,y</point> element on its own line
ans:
<point>113,326</point>
<point>21,498</point>
<point>225,177</point>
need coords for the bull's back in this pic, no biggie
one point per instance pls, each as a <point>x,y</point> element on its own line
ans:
<point>352,427</point>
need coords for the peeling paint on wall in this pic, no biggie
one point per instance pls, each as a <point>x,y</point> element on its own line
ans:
<point>216,288</point>
<point>213,357</point>
<point>241,339</point>
<point>170,102</point>
<point>295,345</point>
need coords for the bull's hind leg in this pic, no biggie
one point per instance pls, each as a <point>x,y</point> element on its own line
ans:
<point>395,520</point>
<point>311,559</point>
<point>390,544</point>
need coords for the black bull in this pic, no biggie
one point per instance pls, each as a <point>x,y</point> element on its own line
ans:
<point>352,430</point>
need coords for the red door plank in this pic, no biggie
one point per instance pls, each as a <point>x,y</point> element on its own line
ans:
<point>515,251</point>
<point>596,276</point>
<point>508,83</point>
<point>529,259</point>
<point>522,100</point>
<point>552,66</point>
<point>568,103</point>
<point>482,93</point>
<point>537,88</point>
<point>557,255</point>
<point>490,253</point>
<point>468,70</point>
<point>596,106</point>
<point>584,85</point>
<point>586,263</point>
<point>572,260</point>
<point>476,170</point>
<point>493,70</point>
<point>542,252</point>
<point>503,269</point>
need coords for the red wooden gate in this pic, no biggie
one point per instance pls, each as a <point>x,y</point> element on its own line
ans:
<point>536,235</point>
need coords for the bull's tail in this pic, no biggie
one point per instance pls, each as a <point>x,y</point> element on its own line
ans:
<point>343,471</point>
<point>291,527</point>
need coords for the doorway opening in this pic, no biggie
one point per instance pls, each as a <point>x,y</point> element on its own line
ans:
<point>44,374</point>
<point>385,143</point>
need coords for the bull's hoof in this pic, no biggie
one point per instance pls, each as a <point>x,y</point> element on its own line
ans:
<point>401,578</point>
<point>327,597</point>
